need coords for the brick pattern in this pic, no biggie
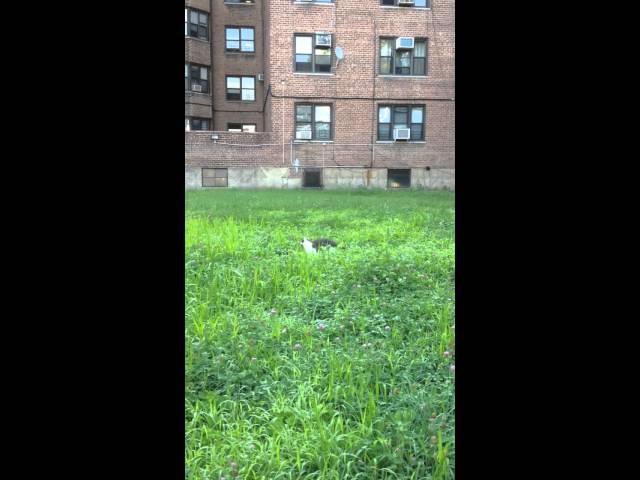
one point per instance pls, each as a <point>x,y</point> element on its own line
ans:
<point>354,88</point>
<point>237,64</point>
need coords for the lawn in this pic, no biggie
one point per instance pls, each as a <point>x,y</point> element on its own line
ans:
<point>338,365</point>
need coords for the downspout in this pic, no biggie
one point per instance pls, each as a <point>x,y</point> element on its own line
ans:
<point>264,63</point>
<point>373,105</point>
<point>211,55</point>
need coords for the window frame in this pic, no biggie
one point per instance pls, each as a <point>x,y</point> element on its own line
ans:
<point>239,28</point>
<point>396,4</point>
<point>242,125</point>
<point>199,119</point>
<point>313,53</point>
<point>412,61</point>
<point>188,24</point>
<point>215,170</point>
<point>410,124</point>
<point>241,77</point>
<point>305,174</point>
<point>189,78</point>
<point>312,122</point>
<point>396,170</point>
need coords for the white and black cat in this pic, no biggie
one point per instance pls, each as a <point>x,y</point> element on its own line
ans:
<point>312,246</point>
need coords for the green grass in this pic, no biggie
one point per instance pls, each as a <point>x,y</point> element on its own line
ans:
<point>270,394</point>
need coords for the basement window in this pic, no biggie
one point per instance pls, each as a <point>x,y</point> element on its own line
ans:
<point>214,177</point>
<point>398,178</point>
<point>241,127</point>
<point>312,178</point>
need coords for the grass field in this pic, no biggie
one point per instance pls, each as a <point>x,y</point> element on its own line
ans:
<point>331,366</point>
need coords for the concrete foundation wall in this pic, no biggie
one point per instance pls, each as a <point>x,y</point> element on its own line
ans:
<point>192,177</point>
<point>332,178</point>
<point>259,177</point>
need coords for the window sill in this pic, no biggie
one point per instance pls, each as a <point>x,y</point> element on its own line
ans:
<point>240,101</point>
<point>312,141</point>
<point>391,142</point>
<point>405,8</point>
<point>249,54</point>
<point>315,74</point>
<point>403,76</point>
<point>206,94</point>
<point>196,39</point>
<point>239,4</point>
<point>328,4</point>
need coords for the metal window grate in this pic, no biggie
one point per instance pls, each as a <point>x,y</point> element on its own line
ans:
<point>214,177</point>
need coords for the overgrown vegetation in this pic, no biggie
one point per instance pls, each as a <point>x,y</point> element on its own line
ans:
<point>331,366</point>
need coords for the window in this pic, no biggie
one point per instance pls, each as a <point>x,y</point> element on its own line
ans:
<point>399,178</point>
<point>241,127</point>
<point>196,78</point>
<point>407,3</point>
<point>196,123</point>
<point>391,117</point>
<point>240,39</point>
<point>313,53</point>
<point>312,178</point>
<point>241,88</point>
<point>196,24</point>
<point>313,122</point>
<point>405,61</point>
<point>214,177</point>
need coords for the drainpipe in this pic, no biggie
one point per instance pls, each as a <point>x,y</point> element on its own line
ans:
<point>282,125</point>
<point>374,114</point>
<point>211,54</point>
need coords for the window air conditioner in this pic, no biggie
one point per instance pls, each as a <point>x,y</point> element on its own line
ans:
<point>304,135</point>
<point>323,39</point>
<point>404,42</point>
<point>401,133</point>
<point>261,77</point>
<point>196,88</point>
<point>405,2</point>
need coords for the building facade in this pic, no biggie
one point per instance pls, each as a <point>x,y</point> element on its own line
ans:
<point>320,93</point>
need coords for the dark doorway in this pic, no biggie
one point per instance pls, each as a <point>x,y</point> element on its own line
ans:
<point>312,178</point>
<point>399,178</point>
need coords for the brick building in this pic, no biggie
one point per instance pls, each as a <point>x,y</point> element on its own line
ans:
<point>290,93</point>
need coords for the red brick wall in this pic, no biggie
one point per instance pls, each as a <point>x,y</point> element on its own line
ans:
<point>237,64</point>
<point>356,26</point>
<point>201,151</point>
<point>198,51</point>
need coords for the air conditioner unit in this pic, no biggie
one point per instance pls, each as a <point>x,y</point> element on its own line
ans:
<point>405,2</point>
<point>261,77</point>
<point>323,39</point>
<point>196,88</point>
<point>401,133</point>
<point>303,135</point>
<point>304,0</point>
<point>404,42</point>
